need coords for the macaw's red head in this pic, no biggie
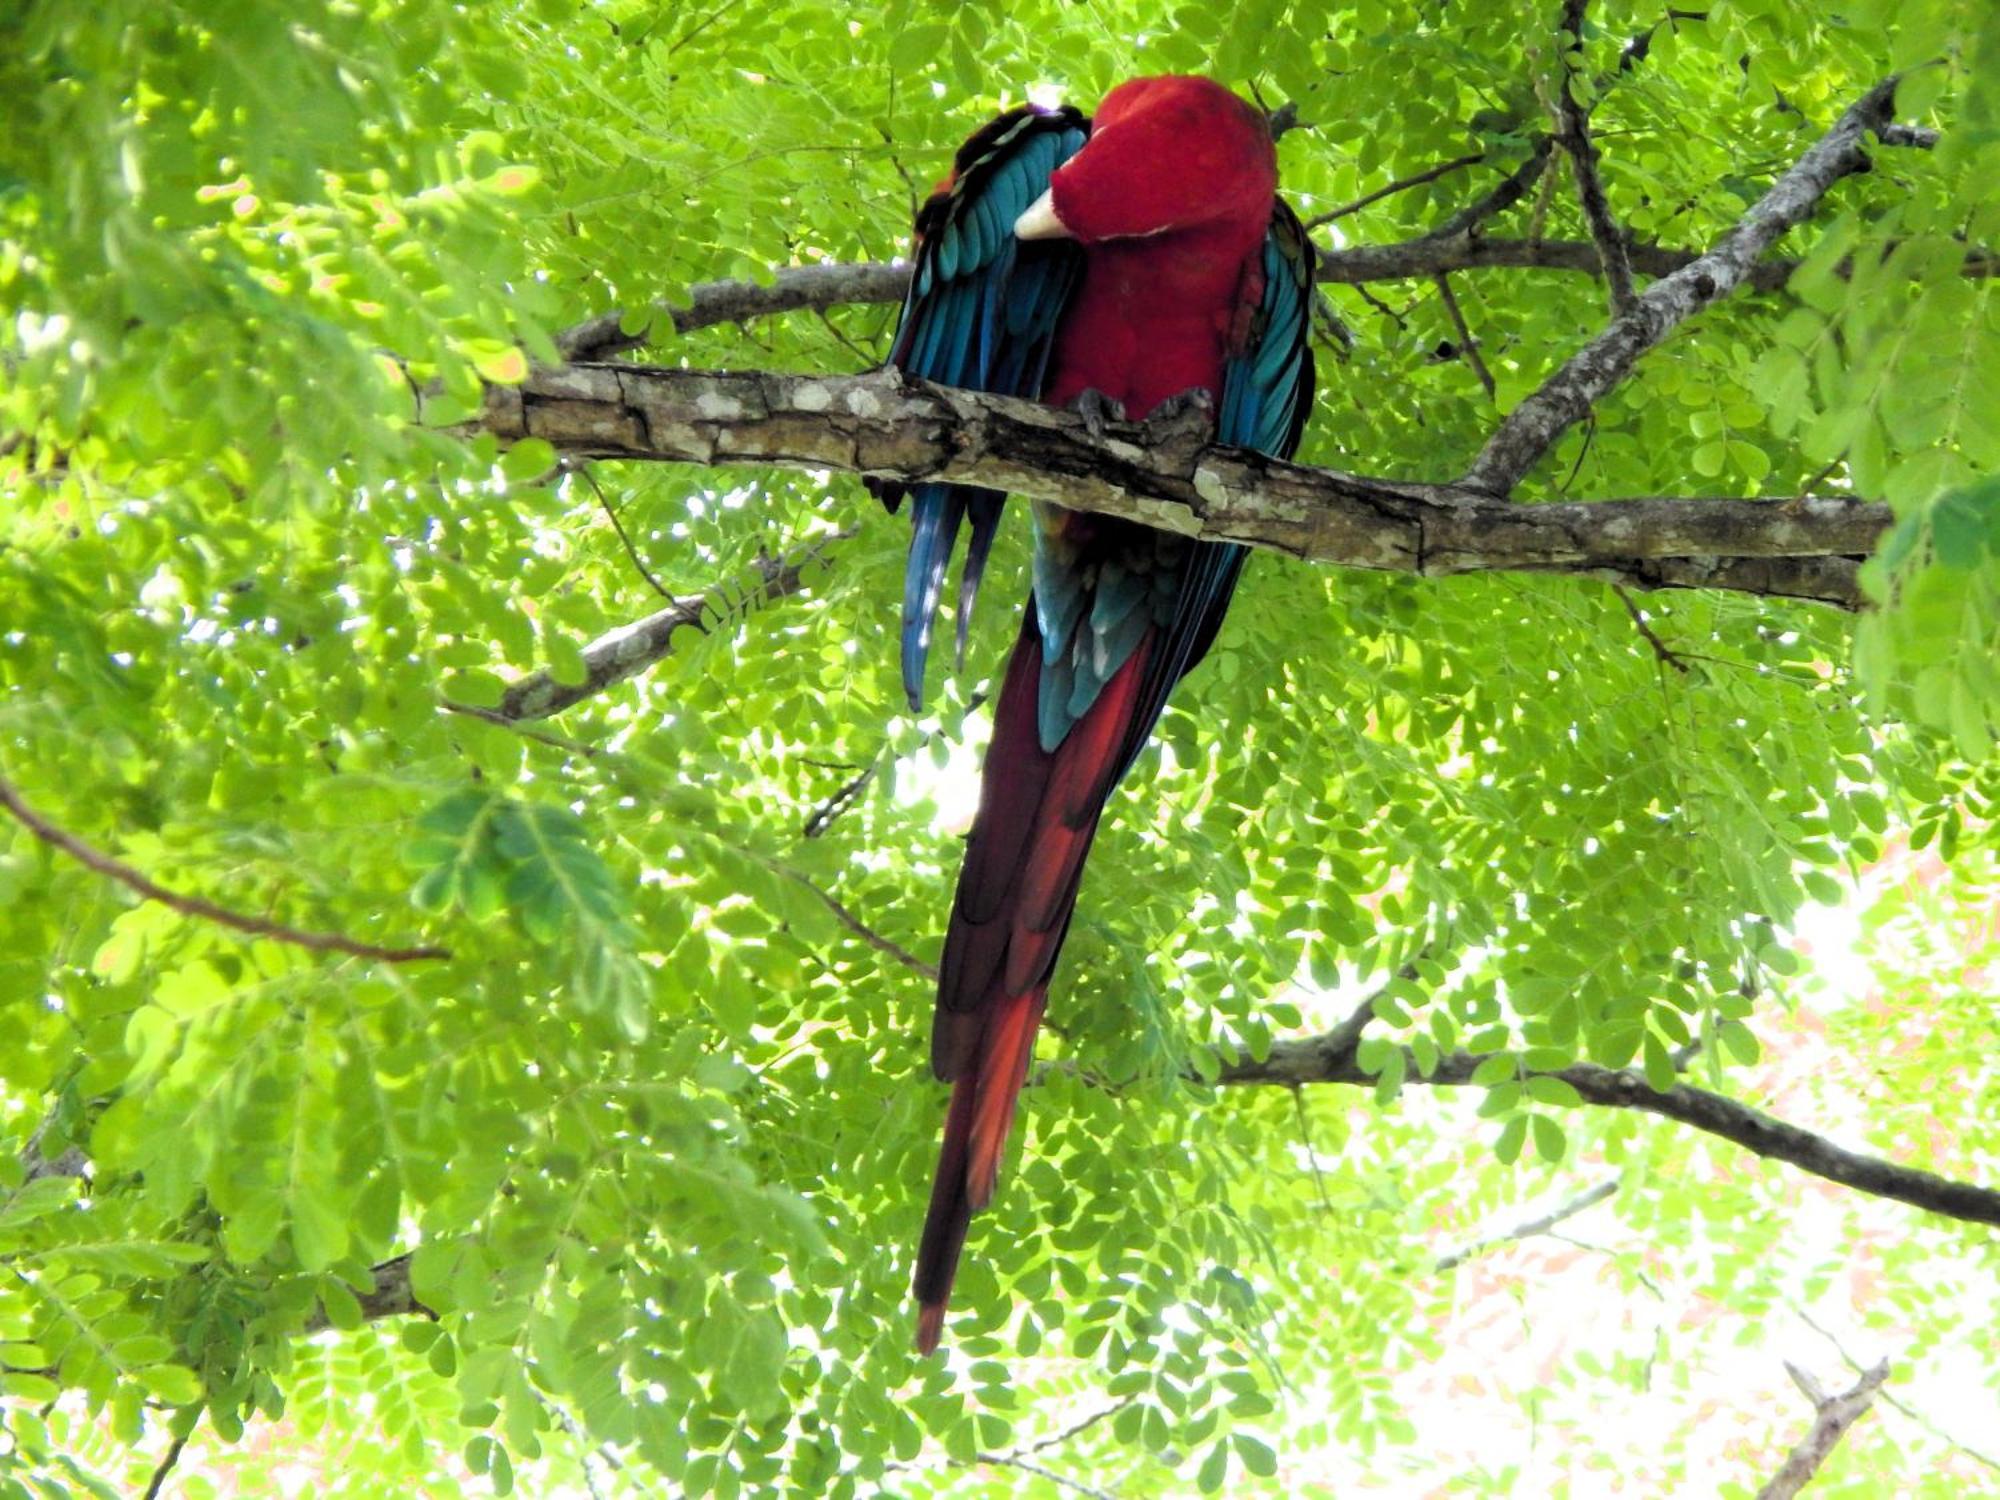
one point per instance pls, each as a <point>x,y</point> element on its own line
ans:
<point>1164,154</point>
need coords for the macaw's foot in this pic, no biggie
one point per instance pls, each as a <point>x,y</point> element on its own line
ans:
<point>1181,425</point>
<point>1098,411</point>
<point>1184,412</point>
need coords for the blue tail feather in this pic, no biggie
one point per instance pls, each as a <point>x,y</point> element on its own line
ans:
<point>935,513</point>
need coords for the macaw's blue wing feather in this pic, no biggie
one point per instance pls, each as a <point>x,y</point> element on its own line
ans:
<point>1267,392</point>
<point>981,313</point>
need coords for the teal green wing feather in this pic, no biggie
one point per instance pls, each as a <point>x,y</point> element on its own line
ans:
<point>981,313</point>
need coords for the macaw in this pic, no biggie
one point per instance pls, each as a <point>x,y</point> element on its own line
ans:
<point>1115,265</point>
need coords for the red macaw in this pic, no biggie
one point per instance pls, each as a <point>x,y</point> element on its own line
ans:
<point>1114,263</point>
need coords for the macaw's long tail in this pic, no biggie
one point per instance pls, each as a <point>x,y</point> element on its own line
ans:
<point>1038,811</point>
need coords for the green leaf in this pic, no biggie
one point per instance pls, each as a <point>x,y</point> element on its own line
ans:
<point>1255,1454</point>
<point>528,460</point>
<point>1549,1142</point>
<point>174,1384</point>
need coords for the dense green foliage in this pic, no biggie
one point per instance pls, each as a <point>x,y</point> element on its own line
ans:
<point>659,1129</point>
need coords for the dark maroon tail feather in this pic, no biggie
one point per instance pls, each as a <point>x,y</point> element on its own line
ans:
<point>1038,813</point>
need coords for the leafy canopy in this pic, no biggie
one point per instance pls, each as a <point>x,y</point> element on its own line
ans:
<point>655,1135</point>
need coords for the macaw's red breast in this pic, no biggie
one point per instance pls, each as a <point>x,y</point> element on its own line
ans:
<point>1170,198</point>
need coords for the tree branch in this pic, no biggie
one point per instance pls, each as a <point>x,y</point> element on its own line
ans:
<point>1542,1223</point>
<point>1532,428</point>
<point>1832,1416</point>
<point>1041,1471</point>
<point>629,650</point>
<point>1357,265</point>
<point>1574,121</point>
<point>849,792</point>
<point>1461,226</point>
<point>859,928</point>
<point>1444,249</point>
<point>1331,1058</point>
<point>165,1467</point>
<point>1468,346</point>
<point>1889,1399</point>
<point>390,1297</point>
<point>714,302</point>
<point>1400,185</point>
<point>1163,475</point>
<point>195,906</point>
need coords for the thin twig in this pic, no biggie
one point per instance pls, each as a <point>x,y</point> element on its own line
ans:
<point>166,1466</point>
<point>1400,185</point>
<point>1076,1429</point>
<point>1046,1473</point>
<point>855,925</point>
<point>1821,477</point>
<point>1511,190</point>
<point>1542,1223</point>
<point>584,1451</point>
<point>1312,1156</point>
<point>844,797</point>
<point>849,792</point>
<point>195,906</point>
<point>618,526</point>
<point>1661,649</point>
<point>866,357</point>
<point>540,736</point>
<point>1466,344</point>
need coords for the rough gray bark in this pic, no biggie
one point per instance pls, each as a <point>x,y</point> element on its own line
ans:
<point>1532,428</point>
<point>887,425</point>
<point>1832,1416</point>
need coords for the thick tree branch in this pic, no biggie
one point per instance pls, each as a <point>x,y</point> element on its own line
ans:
<point>1331,1058</point>
<point>884,424</point>
<point>1832,1416</point>
<point>195,906</point>
<point>1532,428</point>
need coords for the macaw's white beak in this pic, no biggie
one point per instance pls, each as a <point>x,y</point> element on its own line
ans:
<point>1039,222</point>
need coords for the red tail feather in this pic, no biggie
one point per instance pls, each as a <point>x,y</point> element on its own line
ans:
<point>1038,813</point>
